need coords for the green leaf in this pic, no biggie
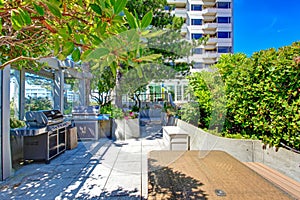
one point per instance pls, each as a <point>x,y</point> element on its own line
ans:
<point>97,53</point>
<point>76,55</point>
<point>25,16</point>
<point>149,58</point>
<point>119,6</point>
<point>0,26</point>
<point>77,38</point>
<point>63,33</point>
<point>68,48</point>
<point>69,28</point>
<point>102,27</point>
<point>96,40</point>
<point>56,46</point>
<point>16,20</point>
<point>131,19</point>
<point>147,19</point>
<point>39,9</point>
<point>137,19</point>
<point>155,34</point>
<point>85,54</point>
<point>118,19</point>
<point>54,9</point>
<point>96,8</point>
<point>139,71</point>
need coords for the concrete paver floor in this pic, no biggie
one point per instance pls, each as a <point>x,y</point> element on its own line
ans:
<point>103,169</point>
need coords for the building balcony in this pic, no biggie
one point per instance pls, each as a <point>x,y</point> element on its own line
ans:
<point>209,11</point>
<point>178,3</point>
<point>212,26</point>
<point>224,12</point>
<point>224,41</point>
<point>184,28</point>
<point>208,2</point>
<point>180,12</point>
<point>209,31</point>
<point>195,29</point>
<point>212,41</point>
<point>210,46</point>
<point>209,55</point>
<point>210,18</point>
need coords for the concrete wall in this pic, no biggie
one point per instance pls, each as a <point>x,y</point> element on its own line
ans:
<point>284,161</point>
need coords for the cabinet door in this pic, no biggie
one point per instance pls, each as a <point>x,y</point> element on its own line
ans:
<point>62,139</point>
<point>87,130</point>
<point>53,144</point>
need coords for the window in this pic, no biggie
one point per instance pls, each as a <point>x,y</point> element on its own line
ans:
<point>196,22</point>
<point>224,49</point>
<point>179,93</point>
<point>224,20</point>
<point>196,7</point>
<point>197,51</point>
<point>223,5</point>
<point>170,7</point>
<point>224,34</point>
<point>196,36</point>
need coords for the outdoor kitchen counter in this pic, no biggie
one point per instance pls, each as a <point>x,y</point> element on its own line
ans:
<point>27,131</point>
<point>91,118</point>
<point>205,175</point>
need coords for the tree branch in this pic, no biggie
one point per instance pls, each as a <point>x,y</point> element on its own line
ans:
<point>21,58</point>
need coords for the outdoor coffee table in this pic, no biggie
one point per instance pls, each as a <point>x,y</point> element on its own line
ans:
<point>205,175</point>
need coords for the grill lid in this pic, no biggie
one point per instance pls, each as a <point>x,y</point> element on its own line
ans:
<point>43,118</point>
<point>86,110</point>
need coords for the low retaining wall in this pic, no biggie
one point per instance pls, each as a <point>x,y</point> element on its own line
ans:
<point>284,161</point>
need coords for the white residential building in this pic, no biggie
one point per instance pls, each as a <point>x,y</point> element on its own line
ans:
<point>206,17</point>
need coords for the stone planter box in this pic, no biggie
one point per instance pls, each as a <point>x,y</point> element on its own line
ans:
<point>124,129</point>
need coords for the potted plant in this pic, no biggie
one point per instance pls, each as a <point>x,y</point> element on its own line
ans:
<point>125,124</point>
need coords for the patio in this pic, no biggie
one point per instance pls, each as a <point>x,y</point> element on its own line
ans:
<point>102,169</point>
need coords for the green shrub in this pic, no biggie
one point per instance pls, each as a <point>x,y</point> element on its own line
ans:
<point>15,123</point>
<point>262,95</point>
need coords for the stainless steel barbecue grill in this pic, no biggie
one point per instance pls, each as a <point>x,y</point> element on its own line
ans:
<point>44,134</point>
<point>86,119</point>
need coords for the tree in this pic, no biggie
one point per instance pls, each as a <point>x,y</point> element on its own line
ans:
<point>30,30</point>
<point>161,18</point>
<point>103,85</point>
<point>124,50</point>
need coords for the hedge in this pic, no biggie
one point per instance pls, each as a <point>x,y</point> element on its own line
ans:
<point>262,95</point>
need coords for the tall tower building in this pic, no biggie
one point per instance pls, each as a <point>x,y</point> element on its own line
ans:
<point>206,17</point>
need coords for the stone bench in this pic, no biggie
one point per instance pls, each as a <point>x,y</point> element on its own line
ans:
<point>175,138</point>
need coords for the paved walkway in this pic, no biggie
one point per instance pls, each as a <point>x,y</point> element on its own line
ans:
<point>103,169</point>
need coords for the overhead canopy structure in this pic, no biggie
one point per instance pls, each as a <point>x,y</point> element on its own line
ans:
<point>56,70</point>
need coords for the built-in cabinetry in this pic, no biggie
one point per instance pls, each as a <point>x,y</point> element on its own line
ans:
<point>45,146</point>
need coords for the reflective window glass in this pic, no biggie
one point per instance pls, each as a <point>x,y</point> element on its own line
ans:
<point>224,49</point>
<point>223,5</point>
<point>196,22</point>
<point>196,35</point>
<point>224,34</point>
<point>224,20</point>
<point>196,7</point>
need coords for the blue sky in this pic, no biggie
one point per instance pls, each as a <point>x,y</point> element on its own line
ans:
<point>264,24</point>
